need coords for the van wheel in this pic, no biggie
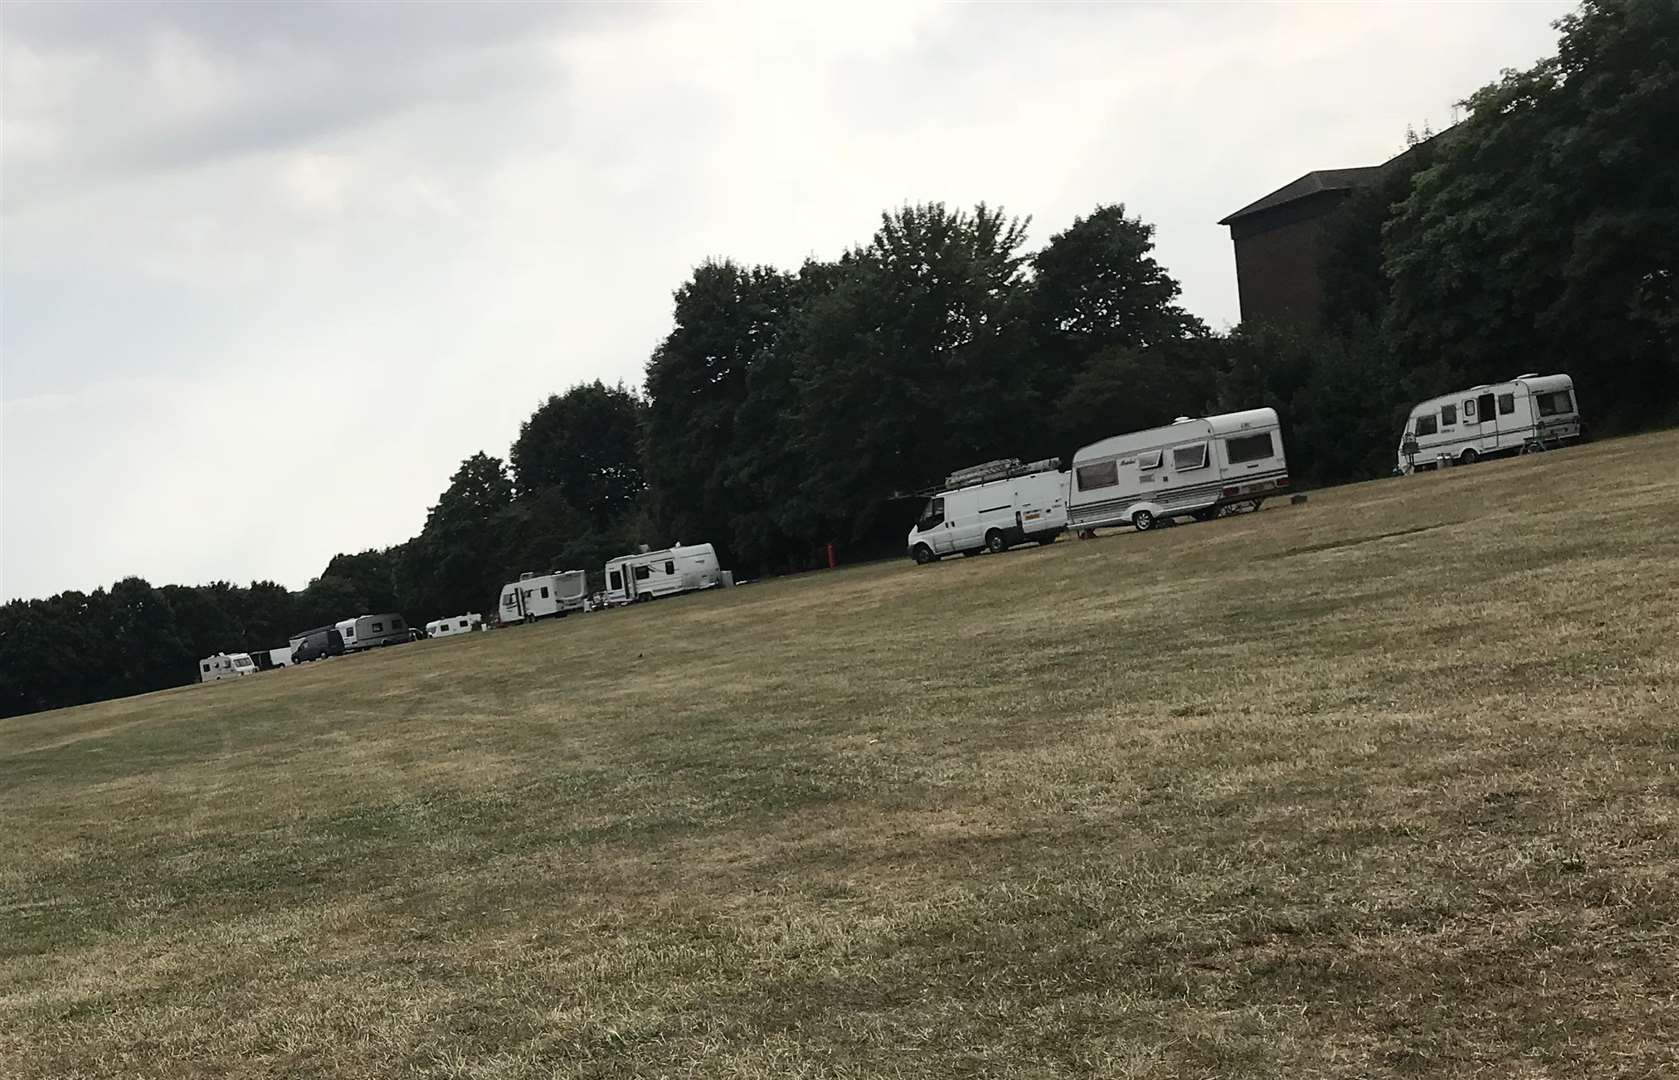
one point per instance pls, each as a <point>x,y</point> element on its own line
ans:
<point>922,554</point>
<point>1142,521</point>
<point>995,543</point>
<point>1468,457</point>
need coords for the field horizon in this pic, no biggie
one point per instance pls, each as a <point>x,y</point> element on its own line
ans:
<point>1384,785</point>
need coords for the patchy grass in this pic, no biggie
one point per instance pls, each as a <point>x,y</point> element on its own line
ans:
<point>1383,786</point>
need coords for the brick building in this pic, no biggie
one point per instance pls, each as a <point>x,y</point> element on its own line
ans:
<point>1281,240</point>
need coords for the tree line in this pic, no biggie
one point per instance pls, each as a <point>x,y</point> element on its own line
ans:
<point>788,410</point>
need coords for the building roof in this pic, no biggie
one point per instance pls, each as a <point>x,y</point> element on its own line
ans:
<point>1313,183</point>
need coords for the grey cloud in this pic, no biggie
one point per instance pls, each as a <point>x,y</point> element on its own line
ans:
<point>297,73</point>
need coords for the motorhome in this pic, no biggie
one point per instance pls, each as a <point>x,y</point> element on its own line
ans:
<point>455,624</point>
<point>372,631</point>
<point>649,574</point>
<point>317,643</point>
<point>1530,412</point>
<point>1194,467</point>
<point>537,596</point>
<point>992,506</point>
<point>225,666</point>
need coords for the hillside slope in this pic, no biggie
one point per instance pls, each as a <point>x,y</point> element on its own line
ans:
<point>1384,785</point>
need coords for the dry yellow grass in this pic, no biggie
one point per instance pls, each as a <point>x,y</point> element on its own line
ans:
<point>1383,786</point>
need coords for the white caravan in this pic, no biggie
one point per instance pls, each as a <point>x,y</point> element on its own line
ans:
<point>225,666</point>
<point>1530,412</point>
<point>536,596</point>
<point>455,624</point>
<point>1193,467</point>
<point>630,578</point>
<point>372,631</point>
<point>991,506</point>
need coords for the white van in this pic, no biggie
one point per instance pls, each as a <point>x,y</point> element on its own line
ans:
<point>992,506</point>
<point>679,569</point>
<point>455,624</point>
<point>537,596</point>
<point>1193,467</point>
<point>226,666</point>
<point>1530,412</point>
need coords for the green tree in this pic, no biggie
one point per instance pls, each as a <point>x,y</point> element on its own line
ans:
<point>459,560</point>
<point>706,467</point>
<point>587,444</point>
<point>915,359</point>
<point>1356,289</point>
<point>1128,388</point>
<point>1546,234</point>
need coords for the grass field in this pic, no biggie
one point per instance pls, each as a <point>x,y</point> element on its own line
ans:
<point>1385,785</point>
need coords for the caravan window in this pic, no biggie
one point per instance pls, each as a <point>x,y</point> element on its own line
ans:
<point>545,592</point>
<point>1148,459</point>
<point>617,580</point>
<point>1244,448</point>
<point>1555,403</point>
<point>1102,474</point>
<point>1469,408</point>
<point>1185,458</point>
<point>1448,415</point>
<point>1506,404</point>
<point>642,573</point>
<point>670,566</point>
<point>206,667</point>
<point>1427,425</point>
<point>378,628</point>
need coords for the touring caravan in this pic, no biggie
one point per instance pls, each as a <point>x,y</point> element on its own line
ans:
<point>1193,467</point>
<point>991,506</point>
<point>455,625</point>
<point>225,666</point>
<point>1530,412</point>
<point>537,596</point>
<point>372,631</point>
<point>630,578</point>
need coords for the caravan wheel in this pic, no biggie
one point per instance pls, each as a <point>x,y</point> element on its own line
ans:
<point>1142,521</point>
<point>1468,457</point>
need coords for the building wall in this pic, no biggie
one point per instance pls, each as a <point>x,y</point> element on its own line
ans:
<point>1279,257</point>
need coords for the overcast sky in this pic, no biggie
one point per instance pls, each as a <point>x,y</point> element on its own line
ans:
<point>271,271</point>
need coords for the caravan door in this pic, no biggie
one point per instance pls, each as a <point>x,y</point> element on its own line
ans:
<point>1486,414</point>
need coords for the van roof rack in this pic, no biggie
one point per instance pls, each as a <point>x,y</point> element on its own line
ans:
<point>1001,469</point>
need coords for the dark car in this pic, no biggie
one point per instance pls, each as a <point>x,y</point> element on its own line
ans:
<point>316,643</point>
